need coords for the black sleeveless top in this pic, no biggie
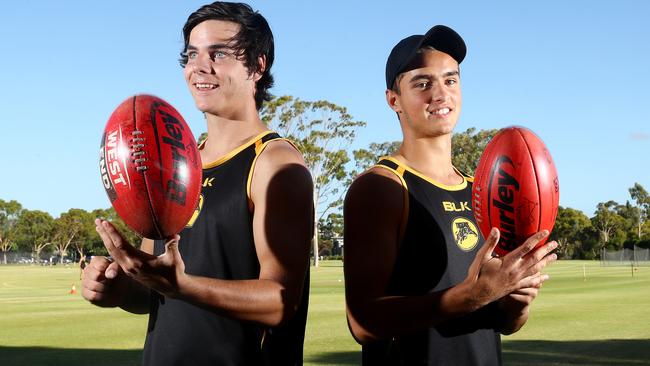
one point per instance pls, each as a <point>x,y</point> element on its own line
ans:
<point>218,243</point>
<point>439,242</point>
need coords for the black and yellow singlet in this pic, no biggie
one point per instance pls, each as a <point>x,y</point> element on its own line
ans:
<point>218,243</point>
<point>439,242</point>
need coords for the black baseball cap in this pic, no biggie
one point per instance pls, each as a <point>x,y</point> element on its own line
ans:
<point>440,37</point>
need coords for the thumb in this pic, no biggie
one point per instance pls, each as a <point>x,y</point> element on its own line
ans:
<point>490,243</point>
<point>112,271</point>
<point>171,246</point>
<point>485,253</point>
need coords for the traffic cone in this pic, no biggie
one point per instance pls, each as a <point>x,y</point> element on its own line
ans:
<point>73,289</point>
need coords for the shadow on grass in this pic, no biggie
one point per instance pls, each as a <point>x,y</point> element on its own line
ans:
<point>44,356</point>
<point>335,358</point>
<point>622,352</point>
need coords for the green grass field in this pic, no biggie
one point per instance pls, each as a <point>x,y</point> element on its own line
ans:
<point>603,320</point>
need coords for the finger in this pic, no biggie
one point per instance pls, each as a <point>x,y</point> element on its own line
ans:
<point>527,246</point>
<point>542,264</point>
<point>490,244</point>
<point>532,282</point>
<point>171,246</point>
<point>542,251</point>
<point>484,254</point>
<point>120,249</point>
<point>98,264</point>
<point>95,286</point>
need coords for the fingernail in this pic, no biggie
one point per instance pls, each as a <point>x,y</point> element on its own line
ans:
<point>493,232</point>
<point>111,274</point>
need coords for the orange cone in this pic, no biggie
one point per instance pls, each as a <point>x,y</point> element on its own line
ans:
<point>73,289</point>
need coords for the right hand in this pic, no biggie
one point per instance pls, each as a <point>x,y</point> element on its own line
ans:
<point>491,278</point>
<point>104,283</point>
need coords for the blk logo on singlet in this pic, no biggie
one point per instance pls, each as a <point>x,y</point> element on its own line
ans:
<point>465,233</point>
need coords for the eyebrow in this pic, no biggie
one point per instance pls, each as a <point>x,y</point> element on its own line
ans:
<point>447,74</point>
<point>216,46</point>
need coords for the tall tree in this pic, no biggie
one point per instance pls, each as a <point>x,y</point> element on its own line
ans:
<point>71,229</point>
<point>569,230</point>
<point>365,158</point>
<point>9,213</point>
<point>323,132</point>
<point>34,231</point>
<point>607,221</point>
<point>642,199</point>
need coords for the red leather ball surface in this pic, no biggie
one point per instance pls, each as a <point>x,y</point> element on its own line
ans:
<point>515,188</point>
<point>150,166</point>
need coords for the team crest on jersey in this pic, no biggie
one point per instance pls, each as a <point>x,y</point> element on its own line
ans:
<point>465,233</point>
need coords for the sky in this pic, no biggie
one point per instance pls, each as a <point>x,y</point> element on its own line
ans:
<point>575,72</point>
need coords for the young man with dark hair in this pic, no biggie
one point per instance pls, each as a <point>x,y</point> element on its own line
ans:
<point>232,289</point>
<point>422,286</point>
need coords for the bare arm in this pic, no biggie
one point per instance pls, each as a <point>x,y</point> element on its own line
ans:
<point>373,210</point>
<point>281,192</point>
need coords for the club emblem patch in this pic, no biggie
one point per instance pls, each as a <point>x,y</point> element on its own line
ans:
<point>465,233</point>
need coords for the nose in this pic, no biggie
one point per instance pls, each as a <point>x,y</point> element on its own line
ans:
<point>438,93</point>
<point>202,64</point>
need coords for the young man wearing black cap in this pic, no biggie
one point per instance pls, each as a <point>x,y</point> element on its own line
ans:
<point>422,286</point>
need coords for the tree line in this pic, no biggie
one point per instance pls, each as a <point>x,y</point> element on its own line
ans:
<point>324,132</point>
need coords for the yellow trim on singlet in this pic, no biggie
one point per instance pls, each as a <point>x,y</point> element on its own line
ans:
<point>401,165</point>
<point>259,147</point>
<point>405,210</point>
<point>234,152</point>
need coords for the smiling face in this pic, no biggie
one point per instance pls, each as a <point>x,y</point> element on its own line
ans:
<point>219,82</point>
<point>428,100</point>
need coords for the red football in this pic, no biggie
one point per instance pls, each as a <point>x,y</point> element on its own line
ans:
<point>516,188</point>
<point>150,166</point>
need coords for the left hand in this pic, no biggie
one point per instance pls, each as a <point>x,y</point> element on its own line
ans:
<point>518,302</point>
<point>162,273</point>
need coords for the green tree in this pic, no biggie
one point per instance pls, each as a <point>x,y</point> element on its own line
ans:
<point>608,223</point>
<point>331,234</point>
<point>365,158</point>
<point>9,213</point>
<point>94,244</point>
<point>323,132</point>
<point>570,231</point>
<point>467,148</point>
<point>642,199</point>
<point>34,231</point>
<point>71,229</point>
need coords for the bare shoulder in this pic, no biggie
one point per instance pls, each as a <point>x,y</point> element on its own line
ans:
<point>376,187</point>
<point>280,152</point>
<point>281,165</point>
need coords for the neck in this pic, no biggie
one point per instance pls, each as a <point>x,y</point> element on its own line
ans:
<point>430,156</point>
<point>225,135</point>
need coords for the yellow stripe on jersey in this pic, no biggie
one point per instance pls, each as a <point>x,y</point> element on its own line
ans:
<point>259,147</point>
<point>234,152</point>
<point>407,168</point>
